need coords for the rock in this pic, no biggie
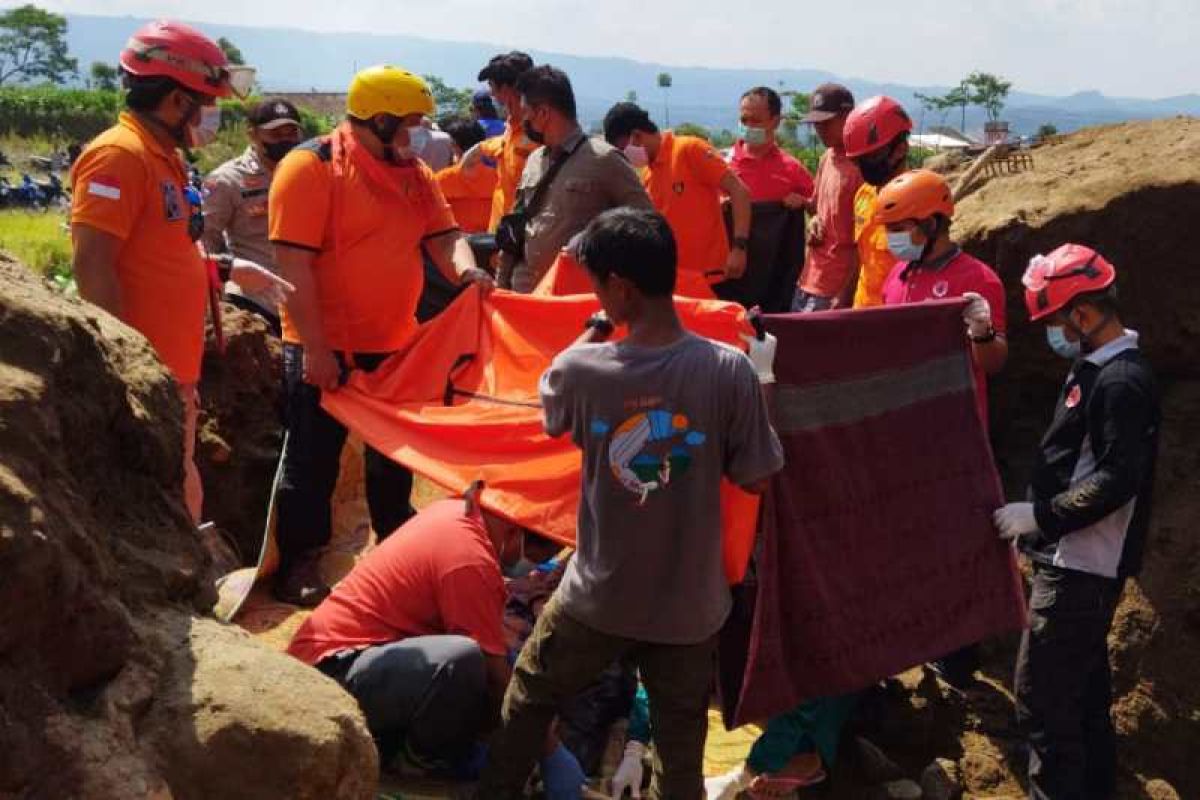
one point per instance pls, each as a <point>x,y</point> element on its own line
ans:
<point>112,684</point>
<point>940,781</point>
<point>900,790</point>
<point>258,724</point>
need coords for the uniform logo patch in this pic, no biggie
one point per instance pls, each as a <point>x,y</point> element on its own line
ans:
<point>940,288</point>
<point>678,187</point>
<point>1074,396</point>
<point>172,204</point>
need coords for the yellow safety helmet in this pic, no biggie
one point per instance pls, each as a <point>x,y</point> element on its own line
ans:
<point>388,90</point>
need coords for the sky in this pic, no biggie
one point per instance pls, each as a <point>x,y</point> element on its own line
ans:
<point>1130,48</point>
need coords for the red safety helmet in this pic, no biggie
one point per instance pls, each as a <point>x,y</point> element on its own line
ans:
<point>873,124</point>
<point>173,50</point>
<point>1052,282</point>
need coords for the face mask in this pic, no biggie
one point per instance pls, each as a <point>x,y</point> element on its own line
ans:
<point>752,134</point>
<point>637,155</point>
<point>901,245</point>
<point>418,137</point>
<point>275,151</point>
<point>519,569</point>
<point>876,172</point>
<point>205,130</point>
<point>532,133</point>
<point>1056,337</point>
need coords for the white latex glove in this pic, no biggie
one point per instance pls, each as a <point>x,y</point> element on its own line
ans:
<point>728,786</point>
<point>257,278</point>
<point>1015,520</point>
<point>762,355</point>
<point>977,315</point>
<point>630,773</point>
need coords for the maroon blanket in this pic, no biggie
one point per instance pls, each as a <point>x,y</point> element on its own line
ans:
<point>878,551</point>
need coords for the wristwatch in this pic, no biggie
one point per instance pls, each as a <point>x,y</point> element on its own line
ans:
<point>990,336</point>
<point>741,243</point>
<point>224,262</point>
<point>599,323</point>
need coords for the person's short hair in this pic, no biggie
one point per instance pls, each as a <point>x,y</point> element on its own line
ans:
<point>146,93</point>
<point>625,118</point>
<point>505,69</point>
<point>547,85</point>
<point>634,244</point>
<point>483,103</point>
<point>774,103</point>
<point>1105,300</point>
<point>465,132</point>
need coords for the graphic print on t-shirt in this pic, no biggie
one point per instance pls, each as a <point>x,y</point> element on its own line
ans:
<point>649,449</point>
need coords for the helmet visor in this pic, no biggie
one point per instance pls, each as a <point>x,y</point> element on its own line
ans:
<point>241,80</point>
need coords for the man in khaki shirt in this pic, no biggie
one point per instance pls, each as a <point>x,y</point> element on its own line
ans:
<point>235,202</point>
<point>594,177</point>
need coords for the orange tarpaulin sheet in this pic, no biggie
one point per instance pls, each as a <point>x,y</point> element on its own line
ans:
<point>565,276</point>
<point>459,402</point>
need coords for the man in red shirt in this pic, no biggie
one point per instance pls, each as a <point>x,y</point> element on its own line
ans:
<point>415,631</point>
<point>831,269</point>
<point>771,174</point>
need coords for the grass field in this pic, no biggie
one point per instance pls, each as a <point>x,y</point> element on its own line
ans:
<point>37,239</point>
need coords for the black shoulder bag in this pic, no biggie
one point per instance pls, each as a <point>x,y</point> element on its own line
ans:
<point>510,231</point>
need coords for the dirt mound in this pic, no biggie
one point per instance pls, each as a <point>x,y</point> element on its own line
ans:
<point>240,431</point>
<point>111,684</point>
<point>1129,191</point>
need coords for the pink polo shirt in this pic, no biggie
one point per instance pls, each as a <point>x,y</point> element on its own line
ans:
<point>961,274</point>
<point>830,263</point>
<point>772,176</point>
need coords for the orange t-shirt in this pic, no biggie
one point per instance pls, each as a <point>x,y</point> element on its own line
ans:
<point>437,575</point>
<point>127,184</point>
<point>510,152</point>
<point>367,241</point>
<point>684,183</point>
<point>469,195</point>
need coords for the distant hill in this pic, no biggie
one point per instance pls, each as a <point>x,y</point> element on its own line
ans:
<point>301,61</point>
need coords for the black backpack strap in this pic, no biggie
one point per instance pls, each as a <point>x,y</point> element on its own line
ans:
<point>321,145</point>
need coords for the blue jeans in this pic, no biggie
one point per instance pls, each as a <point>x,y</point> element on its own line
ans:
<point>426,695</point>
<point>803,302</point>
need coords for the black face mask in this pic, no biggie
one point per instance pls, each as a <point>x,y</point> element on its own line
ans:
<point>534,135</point>
<point>385,132</point>
<point>275,151</point>
<point>876,171</point>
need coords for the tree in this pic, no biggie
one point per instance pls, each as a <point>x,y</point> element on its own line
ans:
<point>1046,130</point>
<point>692,129</point>
<point>233,53</point>
<point>631,96</point>
<point>664,83</point>
<point>798,104</point>
<point>103,76</point>
<point>33,45</point>
<point>988,91</point>
<point>450,101</point>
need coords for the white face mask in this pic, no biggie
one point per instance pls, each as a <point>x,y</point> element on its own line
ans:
<point>205,130</point>
<point>637,155</point>
<point>418,138</point>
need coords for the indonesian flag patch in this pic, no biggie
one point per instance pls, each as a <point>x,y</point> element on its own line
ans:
<point>106,186</point>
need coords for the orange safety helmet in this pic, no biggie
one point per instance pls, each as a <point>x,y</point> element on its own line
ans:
<point>918,194</point>
<point>874,124</point>
<point>1052,282</point>
<point>173,50</point>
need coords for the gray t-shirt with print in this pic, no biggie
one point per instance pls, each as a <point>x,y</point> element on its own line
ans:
<point>659,427</point>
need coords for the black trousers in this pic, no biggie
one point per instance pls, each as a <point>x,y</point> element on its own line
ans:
<point>311,461</point>
<point>1064,686</point>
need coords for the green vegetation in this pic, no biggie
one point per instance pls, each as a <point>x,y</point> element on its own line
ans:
<point>103,76</point>
<point>38,240</point>
<point>68,114</point>
<point>450,102</point>
<point>33,46</point>
<point>1046,130</point>
<point>979,89</point>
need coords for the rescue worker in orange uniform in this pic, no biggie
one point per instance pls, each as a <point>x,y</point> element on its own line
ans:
<point>876,137</point>
<point>469,193</point>
<point>134,228</point>
<point>686,179</point>
<point>349,216</point>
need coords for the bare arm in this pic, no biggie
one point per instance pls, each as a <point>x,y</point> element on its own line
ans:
<point>95,266</point>
<point>321,368</point>
<point>452,255</point>
<point>739,196</point>
<point>992,355</point>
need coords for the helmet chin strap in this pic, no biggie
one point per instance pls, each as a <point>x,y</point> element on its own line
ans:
<point>1084,344</point>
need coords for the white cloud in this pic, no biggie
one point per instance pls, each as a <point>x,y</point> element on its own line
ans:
<point>1123,47</point>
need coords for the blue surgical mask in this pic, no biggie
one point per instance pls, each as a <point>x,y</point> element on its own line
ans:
<point>752,134</point>
<point>901,245</point>
<point>1056,337</point>
<point>520,569</point>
